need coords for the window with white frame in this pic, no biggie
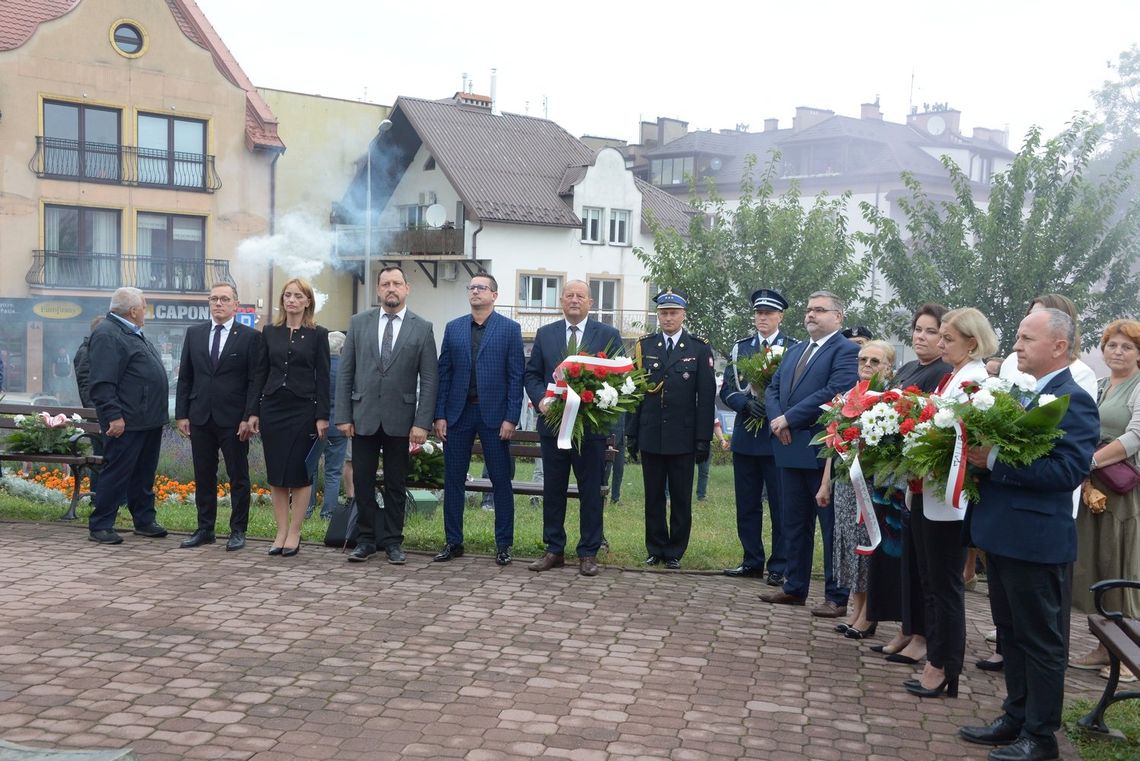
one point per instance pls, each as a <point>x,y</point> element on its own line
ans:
<point>619,227</point>
<point>412,216</point>
<point>604,293</point>
<point>591,225</point>
<point>539,291</point>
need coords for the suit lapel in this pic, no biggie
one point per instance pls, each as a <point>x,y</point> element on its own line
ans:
<point>372,328</point>
<point>489,328</point>
<point>819,354</point>
<point>405,335</point>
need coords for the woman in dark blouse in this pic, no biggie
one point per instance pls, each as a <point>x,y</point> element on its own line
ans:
<point>294,410</point>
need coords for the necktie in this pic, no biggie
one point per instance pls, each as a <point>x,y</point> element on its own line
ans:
<point>764,344</point>
<point>216,346</point>
<point>668,346</point>
<point>803,363</point>
<point>572,347</point>
<point>386,344</point>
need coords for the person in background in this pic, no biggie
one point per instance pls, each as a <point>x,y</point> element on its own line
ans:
<point>61,375</point>
<point>334,448</point>
<point>617,467</point>
<point>82,366</point>
<point>993,366</point>
<point>858,335</point>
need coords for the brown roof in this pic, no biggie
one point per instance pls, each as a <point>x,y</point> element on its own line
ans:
<point>666,210</point>
<point>20,19</point>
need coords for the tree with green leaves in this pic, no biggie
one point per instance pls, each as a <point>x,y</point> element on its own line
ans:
<point>766,241</point>
<point>1047,228</point>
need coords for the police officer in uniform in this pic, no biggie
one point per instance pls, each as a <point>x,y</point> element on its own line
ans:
<point>672,426</point>
<point>753,467</point>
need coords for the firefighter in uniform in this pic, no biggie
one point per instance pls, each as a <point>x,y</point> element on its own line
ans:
<point>672,426</point>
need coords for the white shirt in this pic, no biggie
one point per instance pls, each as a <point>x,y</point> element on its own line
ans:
<point>675,337</point>
<point>226,327</point>
<point>397,320</point>
<point>581,331</point>
<point>818,345</point>
<point>770,340</point>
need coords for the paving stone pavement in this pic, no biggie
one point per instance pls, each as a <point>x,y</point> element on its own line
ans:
<point>204,654</point>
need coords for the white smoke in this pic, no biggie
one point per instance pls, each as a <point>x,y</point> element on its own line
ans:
<point>301,248</point>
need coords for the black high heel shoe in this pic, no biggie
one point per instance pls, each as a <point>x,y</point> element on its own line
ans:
<point>949,686</point>
<point>853,633</point>
<point>288,552</point>
<point>274,551</point>
<point>841,628</point>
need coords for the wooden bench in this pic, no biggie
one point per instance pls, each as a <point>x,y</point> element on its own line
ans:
<point>81,463</point>
<point>1121,637</point>
<point>526,444</point>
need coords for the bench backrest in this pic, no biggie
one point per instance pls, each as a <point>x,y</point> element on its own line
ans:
<point>90,422</point>
<point>526,444</point>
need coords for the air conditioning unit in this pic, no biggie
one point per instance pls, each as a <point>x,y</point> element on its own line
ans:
<point>449,271</point>
<point>427,198</point>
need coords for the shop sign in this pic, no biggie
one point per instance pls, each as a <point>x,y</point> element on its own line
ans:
<point>57,310</point>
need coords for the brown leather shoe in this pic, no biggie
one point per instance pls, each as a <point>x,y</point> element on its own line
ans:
<point>588,566</point>
<point>781,597</point>
<point>829,610</point>
<point>548,561</point>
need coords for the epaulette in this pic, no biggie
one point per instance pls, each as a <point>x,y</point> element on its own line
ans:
<point>698,338</point>
<point>647,335</point>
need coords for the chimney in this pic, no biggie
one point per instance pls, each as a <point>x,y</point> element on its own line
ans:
<point>870,111</point>
<point>995,136</point>
<point>809,117</point>
<point>771,125</point>
<point>494,102</point>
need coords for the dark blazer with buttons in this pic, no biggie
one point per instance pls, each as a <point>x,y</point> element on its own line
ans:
<point>301,366</point>
<point>228,393</point>
<point>682,410</point>
<point>731,393</point>
<point>834,369</point>
<point>498,370</point>
<point>128,379</point>
<point>1027,513</point>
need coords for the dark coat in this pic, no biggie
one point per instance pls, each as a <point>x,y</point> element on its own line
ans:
<point>682,409</point>
<point>82,362</point>
<point>302,366</point>
<point>227,393</point>
<point>128,379</point>
<point>743,440</point>
<point>498,370</point>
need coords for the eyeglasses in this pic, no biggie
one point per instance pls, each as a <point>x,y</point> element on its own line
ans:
<point>478,287</point>
<point>219,299</point>
<point>819,310</point>
<point>870,361</point>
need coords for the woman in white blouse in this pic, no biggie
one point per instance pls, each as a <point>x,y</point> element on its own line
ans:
<point>965,339</point>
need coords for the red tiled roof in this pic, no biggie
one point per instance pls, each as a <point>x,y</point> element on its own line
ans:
<point>19,19</point>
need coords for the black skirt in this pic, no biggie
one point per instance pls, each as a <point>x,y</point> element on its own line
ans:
<point>288,432</point>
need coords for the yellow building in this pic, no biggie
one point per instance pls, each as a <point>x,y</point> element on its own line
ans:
<point>133,151</point>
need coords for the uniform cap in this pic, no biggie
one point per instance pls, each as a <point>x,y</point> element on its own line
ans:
<point>669,299</point>
<point>768,298</point>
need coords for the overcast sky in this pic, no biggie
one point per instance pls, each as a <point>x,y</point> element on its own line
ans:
<point>604,66</point>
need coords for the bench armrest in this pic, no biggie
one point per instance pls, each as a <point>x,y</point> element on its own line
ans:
<point>78,438</point>
<point>1098,589</point>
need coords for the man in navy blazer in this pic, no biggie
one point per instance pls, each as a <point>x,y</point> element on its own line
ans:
<point>754,468</point>
<point>810,374</point>
<point>480,396</point>
<point>551,345</point>
<point>218,388</point>
<point>1024,523</point>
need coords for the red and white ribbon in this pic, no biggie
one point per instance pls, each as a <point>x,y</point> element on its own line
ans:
<point>561,388</point>
<point>866,513</point>
<point>955,493</point>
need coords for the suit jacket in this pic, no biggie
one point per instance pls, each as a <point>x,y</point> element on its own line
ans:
<point>743,440</point>
<point>1027,513</point>
<point>301,366</point>
<point>550,349</point>
<point>128,379</point>
<point>368,396</point>
<point>498,370</point>
<point>82,363</point>
<point>682,410</point>
<point>834,369</point>
<point>227,393</point>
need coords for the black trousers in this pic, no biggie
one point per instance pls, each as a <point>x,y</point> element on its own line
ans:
<point>941,556</point>
<point>913,602</point>
<point>1033,644</point>
<point>129,464</point>
<point>380,528</point>
<point>999,610</point>
<point>668,540</point>
<point>587,463</point>
<point>205,443</point>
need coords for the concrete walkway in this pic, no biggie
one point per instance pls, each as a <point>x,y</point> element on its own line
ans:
<point>205,654</point>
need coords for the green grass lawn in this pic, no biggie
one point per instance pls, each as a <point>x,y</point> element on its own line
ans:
<point>1124,716</point>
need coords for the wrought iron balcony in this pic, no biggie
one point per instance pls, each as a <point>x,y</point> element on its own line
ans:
<point>124,165</point>
<point>399,242</point>
<point>631,323</point>
<point>66,269</point>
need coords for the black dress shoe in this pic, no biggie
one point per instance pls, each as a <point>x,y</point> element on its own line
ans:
<point>449,552</point>
<point>653,560</point>
<point>361,553</point>
<point>745,571</point>
<point>774,579</point>
<point>107,536</point>
<point>396,555</point>
<point>949,685</point>
<point>503,555</point>
<point>1028,748</point>
<point>673,564</point>
<point>274,551</point>
<point>853,633</point>
<point>236,541</point>
<point>151,530</point>
<point>1004,730</point>
<point>900,658</point>
<point>288,552</point>
<point>198,538</point>
<point>985,664</point>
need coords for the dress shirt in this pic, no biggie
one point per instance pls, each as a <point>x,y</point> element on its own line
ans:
<point>477,330</point>
<point>818,345</point>
<point>134,328</point>
<point>581,331</point>
<point>226,327</point>
<point>769,340</point>
<point>396,323</point>
<point>675,337</point>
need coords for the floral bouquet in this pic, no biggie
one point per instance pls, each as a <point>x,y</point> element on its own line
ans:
<point>994,414</point>
<point>757,370</point>
<point>591,389</point>
<point>426,463</point>
<point>44,434</point>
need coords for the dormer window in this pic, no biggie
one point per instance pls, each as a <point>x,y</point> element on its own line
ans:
<point>429,165</point>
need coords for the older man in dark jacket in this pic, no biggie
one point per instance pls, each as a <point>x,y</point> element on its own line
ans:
<point>129,390</point>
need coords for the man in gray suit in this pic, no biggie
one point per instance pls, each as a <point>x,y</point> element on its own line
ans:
<point>387,353</point>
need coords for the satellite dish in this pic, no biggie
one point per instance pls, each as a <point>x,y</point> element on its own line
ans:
<point>435,215</point>
<point>715,164</point>
<point>936,125</point>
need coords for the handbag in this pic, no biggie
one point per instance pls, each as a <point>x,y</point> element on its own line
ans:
<point>343,529</point>
<point>1120,477</point>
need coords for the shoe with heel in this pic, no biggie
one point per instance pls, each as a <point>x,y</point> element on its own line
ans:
<point>854,633</point>
<point>949,685</point>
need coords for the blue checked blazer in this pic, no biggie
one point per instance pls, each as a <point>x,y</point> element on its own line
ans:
<point>498,371</point>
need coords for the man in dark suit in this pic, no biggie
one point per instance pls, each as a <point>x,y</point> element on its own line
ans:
<point>672,427</point>
<point>217,392</point>
<point>129,390</point>
<point>385,399</point>
<point>480,394</point>
<point>754,470</point>
<point>810,374</point>
<point>1024,523</point>
<point>552,343</point>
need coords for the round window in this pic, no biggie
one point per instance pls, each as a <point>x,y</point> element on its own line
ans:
<point>128,39</point>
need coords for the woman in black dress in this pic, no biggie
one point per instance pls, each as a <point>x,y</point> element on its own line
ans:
<point>294,408</point>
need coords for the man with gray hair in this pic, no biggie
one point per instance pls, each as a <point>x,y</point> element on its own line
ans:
<point>129,391</point>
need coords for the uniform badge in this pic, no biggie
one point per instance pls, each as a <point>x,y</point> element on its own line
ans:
<point>685,375</point>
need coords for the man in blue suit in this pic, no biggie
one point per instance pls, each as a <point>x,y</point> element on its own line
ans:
<point>1024,523</point>
<point>810,374</point>
<point>753,466</point>
<point>575,333</point>
<point>480,393</point>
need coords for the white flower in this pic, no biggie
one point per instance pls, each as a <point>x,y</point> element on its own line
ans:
<point>76,418</point>
<point>19,419</point>
<point>429,448</point>
<point>982,400</point>
<point>944,418</point>
<point>995,384</point>
<point>1024,381</point>
<point>1045,399</point>
<point>775,351</point>
<point>629,386</point>
<point>607,396</point>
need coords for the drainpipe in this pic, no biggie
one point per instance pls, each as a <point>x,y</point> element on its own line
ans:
<point>272,230</point>
<point>474,242</point>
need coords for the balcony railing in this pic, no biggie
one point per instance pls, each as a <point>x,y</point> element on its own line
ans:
<point>64,269</point>
<point>399,242</point>
<point>631,323</point>
<point>124,165</point>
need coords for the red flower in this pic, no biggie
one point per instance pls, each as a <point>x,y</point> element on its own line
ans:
<point>927,412</point>
<point>601,355</point>
<point>907,426</point>
<point>548,393</point>
<point>970,387</point>
<point>587,396</point>
<point>601,372</point>
<point>851,434</point>
<point>913,390</point>
<point>575,370</point>
<point>890,396</point>
<point>857,402</point>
